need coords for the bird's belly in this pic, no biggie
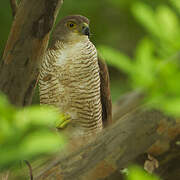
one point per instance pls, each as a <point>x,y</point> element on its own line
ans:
<point>77,70</point>
<point>82,90</point>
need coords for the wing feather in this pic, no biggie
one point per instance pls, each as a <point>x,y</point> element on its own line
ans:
<point>105,93</point>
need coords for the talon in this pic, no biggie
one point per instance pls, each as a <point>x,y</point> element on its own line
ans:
<point>65,120</point>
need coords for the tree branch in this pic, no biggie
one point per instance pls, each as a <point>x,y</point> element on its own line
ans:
<point>14,7</point>
<point>25,47</point>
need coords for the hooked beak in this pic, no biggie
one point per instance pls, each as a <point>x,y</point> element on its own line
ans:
<point>85,29</point>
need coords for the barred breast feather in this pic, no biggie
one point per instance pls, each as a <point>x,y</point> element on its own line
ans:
<point>70,81</point>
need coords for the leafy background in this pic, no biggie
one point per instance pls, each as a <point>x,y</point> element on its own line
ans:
<point>140,41</point>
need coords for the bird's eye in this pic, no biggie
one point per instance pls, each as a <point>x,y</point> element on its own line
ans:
<point>71,25</point>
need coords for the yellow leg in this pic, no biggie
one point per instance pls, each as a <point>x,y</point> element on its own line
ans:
<point>65,119</point>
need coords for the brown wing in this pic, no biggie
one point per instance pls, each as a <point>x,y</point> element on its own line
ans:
<point>105,93</point>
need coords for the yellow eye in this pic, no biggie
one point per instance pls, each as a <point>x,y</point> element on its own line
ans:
<point>71,25</point>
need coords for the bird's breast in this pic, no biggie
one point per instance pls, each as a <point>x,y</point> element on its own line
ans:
<point>79,76</point>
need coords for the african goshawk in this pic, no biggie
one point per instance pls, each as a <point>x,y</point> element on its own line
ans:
<point>74,80</point>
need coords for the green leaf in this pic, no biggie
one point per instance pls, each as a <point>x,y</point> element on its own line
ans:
<point>115,58</point>
<point>171,106</point>
<point>137,173</point>
<point>38,116</point>
<point>168,23</point>
<point>146,16</point>
<point>162,25</point>
<point>145,51</point>
<point>41,142</point>
<point>6,109</point>
<point>176,4</point>
<point>145,64</point>
<point>6,131</point>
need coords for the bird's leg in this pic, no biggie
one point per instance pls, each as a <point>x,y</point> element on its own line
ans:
<point>65,119</point>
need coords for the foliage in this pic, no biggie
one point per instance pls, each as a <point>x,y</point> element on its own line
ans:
<point>155,66</point>
<point>163,26</point>
<point>26,133</point>
<point>176,4</point>
<point>137,173</point>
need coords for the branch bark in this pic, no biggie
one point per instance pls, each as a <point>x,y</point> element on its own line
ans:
<point>25,47</point>
<point>14,7</point>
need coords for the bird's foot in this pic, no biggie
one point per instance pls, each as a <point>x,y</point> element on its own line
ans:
<point>65,119</point>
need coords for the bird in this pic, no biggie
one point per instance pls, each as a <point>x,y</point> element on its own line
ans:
<point>74,80</point>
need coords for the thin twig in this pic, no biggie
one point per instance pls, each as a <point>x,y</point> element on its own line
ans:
<point>14,7</point>
<point>30,169</point>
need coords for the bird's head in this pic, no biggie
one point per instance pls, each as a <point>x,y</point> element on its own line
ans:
<point>71,29</point>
